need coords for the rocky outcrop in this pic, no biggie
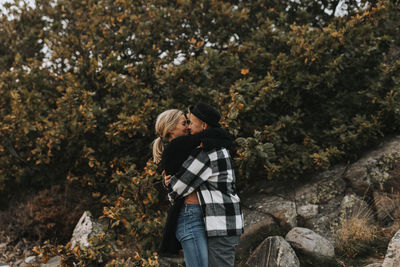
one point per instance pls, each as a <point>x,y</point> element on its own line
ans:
<point>367,189</point>
<point>281,209</point>
<point>274,252</point>
<point>308,211</point>
<point>392,257</point>
<point>324,193</point>
<point>310,244</point>
<point>254,235</point>
<point>365,174</point>
<point>353,206</point>
<point>386,206</point>
<point>322,188</point>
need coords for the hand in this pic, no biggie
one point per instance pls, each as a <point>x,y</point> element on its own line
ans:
<point>167,179</point>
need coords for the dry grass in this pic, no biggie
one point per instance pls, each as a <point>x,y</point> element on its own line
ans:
<point>355,234</point>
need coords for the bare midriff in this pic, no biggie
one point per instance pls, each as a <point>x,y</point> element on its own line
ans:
<point>192,199</point>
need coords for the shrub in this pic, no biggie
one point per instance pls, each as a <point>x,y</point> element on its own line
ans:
<point>356,234</point>
<point>51,214</point>
<point>299,90</point>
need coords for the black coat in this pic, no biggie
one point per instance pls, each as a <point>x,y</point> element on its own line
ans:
<point>174,154</point>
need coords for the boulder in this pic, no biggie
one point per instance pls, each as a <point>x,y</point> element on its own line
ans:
<point>253,217</point>
<point>358,178</point>
<point>392,257</point>
<point>386,206</point>
<point>85,229</point>
<point>327,219</point>
<point>30,259</point>
<point>322,188</point>
<point>353,206</point>
<point>274,252</point>
<point>374,265</point>
<point>281,209</point>
<point>307,211</point>
<point>52,262</point>
<point>312,246</point>
<point>254,235</point>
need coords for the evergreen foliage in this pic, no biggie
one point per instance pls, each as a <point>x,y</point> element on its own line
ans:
<point>81,84</point>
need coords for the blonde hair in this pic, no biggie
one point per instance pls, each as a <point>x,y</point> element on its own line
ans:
<point>166,121</point>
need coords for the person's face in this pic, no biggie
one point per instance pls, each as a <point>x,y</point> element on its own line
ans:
<point>180,129</point>
<point>196,125</point>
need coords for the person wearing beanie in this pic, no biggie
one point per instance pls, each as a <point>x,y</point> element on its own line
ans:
<point>209,173</point>
<point>171,148</point>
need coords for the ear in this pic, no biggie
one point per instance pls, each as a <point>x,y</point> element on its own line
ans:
<point>205,125</point>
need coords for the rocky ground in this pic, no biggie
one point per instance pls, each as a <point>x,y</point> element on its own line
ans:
<point>310,218</point>
<point>19,253</point>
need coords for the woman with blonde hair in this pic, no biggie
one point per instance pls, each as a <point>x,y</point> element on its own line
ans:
<point>170,124</point>
<point>170,149</point>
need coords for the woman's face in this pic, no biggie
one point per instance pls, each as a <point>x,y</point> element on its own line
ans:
<point>196,125</point>
<point>180,129</point>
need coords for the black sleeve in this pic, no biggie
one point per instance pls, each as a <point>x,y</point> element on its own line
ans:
<point>177,151</point>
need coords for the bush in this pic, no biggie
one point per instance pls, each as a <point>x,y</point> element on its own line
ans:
<point>298,89</point>
<point>49,215</point>
<point>356,234</point>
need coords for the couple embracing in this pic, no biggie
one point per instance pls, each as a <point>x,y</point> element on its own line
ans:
<point>205,218</point>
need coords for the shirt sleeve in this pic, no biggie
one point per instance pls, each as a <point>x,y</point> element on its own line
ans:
<point>194,171</point>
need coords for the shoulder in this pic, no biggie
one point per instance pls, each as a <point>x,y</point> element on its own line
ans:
<point>198,155</point>
<point>183,142</point>
<point>217,154</point>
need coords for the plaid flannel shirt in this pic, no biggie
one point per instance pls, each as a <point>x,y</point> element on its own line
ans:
<point>211,175</point>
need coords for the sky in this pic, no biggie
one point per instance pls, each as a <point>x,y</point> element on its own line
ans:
<point>30,2</point>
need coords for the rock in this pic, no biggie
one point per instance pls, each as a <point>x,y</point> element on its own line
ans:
<point>315,247</point>
<point>274,252</point>
<point>353,206</point>
<point>358,178</point>
<point>20,263</point>
<point>386,206</point>
<point>254,235</point>
<point>252,217</point>
<point>361,174</point>
<point>171,262</point>
<point>52,262</point>
<point>322,188</point>
<point>307,211</point>
<point>326,221</point>
<point>30,259</point>
<point>4,264</point>
<point>374,265</point>
<point>3,245</point>
<point>85,229</point>
<point>283,210</point>
<point>392,257</point>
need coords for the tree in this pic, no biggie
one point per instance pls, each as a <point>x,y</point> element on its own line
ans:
<point>82,82</point>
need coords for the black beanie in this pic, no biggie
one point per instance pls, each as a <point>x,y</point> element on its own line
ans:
<point>206,113</point>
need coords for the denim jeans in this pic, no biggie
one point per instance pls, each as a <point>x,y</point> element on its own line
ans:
<point>221,250</point>
<point>190,232</point>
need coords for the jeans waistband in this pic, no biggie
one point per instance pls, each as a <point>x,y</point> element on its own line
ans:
<point>187,207</point>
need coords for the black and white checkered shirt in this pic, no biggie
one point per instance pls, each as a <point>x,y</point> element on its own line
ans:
<point>211,175</point>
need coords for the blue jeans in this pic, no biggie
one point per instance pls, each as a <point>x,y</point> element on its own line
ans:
<point>191,233</point>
